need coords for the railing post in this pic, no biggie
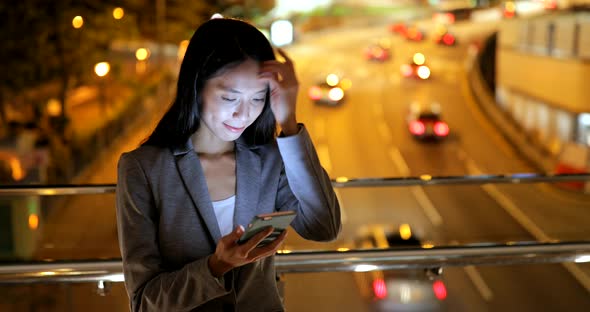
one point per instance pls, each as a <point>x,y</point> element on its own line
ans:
<point>103,288</point>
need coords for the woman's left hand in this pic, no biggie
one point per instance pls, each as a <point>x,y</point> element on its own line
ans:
<point>284,87</point>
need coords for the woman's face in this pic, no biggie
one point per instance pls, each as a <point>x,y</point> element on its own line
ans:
<point>233,100</point>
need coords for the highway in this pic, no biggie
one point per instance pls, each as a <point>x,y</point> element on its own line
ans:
<point>367,136</point>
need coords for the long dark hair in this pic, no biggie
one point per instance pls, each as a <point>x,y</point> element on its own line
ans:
<point>216,45</point>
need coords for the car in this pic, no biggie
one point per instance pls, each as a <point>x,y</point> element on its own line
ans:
<point>330,91</point>
<point>425,122</point>
<point>377,52</point>
<point>509,10</point>
<point>443,17</point>
<point>398,28</point>
<point>413,33</point>
<point>416,67</point>
<point>443,36</point>
<point>398,290</point>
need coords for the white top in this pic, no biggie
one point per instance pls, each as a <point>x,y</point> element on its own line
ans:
<point>224,211</point>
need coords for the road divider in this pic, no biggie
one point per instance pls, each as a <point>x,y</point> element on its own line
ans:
<point>418,192</point>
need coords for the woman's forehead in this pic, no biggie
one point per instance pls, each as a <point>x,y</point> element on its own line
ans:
<point>242,77</point>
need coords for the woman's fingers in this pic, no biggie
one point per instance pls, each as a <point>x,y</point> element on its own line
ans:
<point>235,255</point>
<point>269,249</point>
<point>284,69</point>
<point>257,239</point>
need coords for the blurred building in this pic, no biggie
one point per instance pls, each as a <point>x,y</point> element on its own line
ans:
<point>541,82</point>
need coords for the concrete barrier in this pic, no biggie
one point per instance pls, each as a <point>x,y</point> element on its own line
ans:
<point>574,158</point>
<point>513,133</point>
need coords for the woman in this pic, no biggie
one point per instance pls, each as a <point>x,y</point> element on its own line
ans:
<point>212,163</point>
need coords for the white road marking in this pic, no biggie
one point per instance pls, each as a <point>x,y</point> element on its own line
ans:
<point>479,283</point>
<point>507,204</point>
<point>427,205</point>
<point>515,212</point>
<point>399,162</point>
<point>324,156</point>
<point>512,209</point>
<point>384,131</point>
<point>580,275</point>
<point>421,197</point>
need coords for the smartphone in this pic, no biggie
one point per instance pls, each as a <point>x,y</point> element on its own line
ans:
<point>278,220</point>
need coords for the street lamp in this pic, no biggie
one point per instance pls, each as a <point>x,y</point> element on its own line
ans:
<point>101,70</point>
<point>141,54</point>
<point>118,13</point>
<point>77,22</point>
<point>53,108</point>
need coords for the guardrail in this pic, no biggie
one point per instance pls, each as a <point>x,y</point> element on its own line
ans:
<point>432,259</point>
<point>341,182</point>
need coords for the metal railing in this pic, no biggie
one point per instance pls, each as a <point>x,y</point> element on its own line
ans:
<point>341,182</point>
<point>324,261</point>
<point>434,258</point>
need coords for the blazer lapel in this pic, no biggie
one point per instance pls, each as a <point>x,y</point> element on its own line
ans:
<point>247,184</point>
<point>191,172</point>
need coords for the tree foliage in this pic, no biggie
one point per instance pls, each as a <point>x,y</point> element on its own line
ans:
<point>42,49</point>
<point>170,20</point>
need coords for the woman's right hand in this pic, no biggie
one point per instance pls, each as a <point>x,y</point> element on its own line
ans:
<point>228,254</point>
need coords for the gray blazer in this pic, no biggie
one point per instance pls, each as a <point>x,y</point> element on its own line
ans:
<point>167,227</point>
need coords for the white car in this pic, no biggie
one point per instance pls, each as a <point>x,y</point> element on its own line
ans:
<point>397,290</point>
<point>330,91</point>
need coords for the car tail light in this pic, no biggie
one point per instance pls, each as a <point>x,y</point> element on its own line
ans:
<point>379,54</point>
<point>440,290</point>
<point>336,94</point>
<point>509,14</point>
<point>551,4</point>
<point>441,128</point>
<point>417,127</point>
<point>406,70</point>
<point>443,18</point>
<point>450,18</point>
<point>379,288</point>
<point>423,72</point>
<point>398,28</point>
<point>315,93</point>
<point>448,39</point>
<point>416,35</point>
<point>509,9</point>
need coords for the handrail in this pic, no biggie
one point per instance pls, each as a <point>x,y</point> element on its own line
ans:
<point>341,182</point>
<point>51,190</point>
<point>325,261</point>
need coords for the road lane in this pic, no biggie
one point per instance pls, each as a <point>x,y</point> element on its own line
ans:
<point>473,215</point>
